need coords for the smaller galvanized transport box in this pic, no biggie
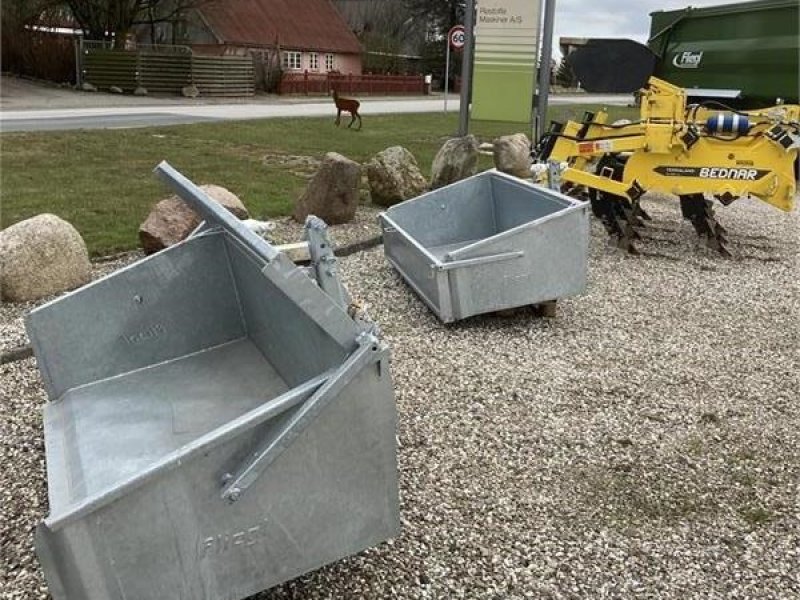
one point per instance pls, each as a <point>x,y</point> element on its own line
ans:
<point>487,243</point>
<point>217,423</point>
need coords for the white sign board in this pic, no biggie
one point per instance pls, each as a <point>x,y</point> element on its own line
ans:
<point>508,27</point>
<point>506,50</point>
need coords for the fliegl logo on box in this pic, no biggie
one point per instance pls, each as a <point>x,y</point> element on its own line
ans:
<point>687,60</point>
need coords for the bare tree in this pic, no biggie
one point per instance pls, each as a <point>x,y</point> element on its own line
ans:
<point>114,19</point>
<point>18,14</point>
<point>438,15</point>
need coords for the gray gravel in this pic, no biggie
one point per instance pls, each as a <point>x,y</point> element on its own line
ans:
<point>364,226</point>
<point>642,444</point>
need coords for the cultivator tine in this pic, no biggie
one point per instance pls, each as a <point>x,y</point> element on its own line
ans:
<point>700,212</point>
<point>641,213</point>
<point>632,211</point>
<point>619,217</point>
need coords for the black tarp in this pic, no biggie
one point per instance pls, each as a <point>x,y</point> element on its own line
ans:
<point>612,66</point>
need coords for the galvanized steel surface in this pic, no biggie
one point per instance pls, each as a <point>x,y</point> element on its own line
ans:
<point>179,382</point>
<point>488,243</point>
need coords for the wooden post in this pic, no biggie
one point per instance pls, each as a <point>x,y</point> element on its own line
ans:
<point>548,309</point>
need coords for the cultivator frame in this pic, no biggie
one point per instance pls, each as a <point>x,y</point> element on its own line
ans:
<point>703,152</point>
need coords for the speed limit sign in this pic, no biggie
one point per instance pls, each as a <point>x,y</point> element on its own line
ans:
<point>457,37</point>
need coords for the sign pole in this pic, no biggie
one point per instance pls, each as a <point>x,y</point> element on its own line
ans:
<point>447,74</point>
<point>466,68</point>
<point>546,57</point>
<point>455,41</point>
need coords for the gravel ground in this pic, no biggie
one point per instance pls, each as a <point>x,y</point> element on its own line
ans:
<point>364,226</point>
<point>641,444</point>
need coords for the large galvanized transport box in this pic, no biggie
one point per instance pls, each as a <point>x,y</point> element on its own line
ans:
<point>487,243</point>
<point>217,424</point>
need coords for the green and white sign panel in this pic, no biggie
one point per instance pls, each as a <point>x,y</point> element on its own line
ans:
<point>506,49</point>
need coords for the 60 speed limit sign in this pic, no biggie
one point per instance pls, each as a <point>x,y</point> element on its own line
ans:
<point>457,37</point>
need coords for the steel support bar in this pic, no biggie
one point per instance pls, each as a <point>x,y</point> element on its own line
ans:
<point>596,182</point>
<point>367,351</point>
<point>478,260</point>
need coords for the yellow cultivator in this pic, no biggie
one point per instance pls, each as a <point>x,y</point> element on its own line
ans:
<point>697,153</point>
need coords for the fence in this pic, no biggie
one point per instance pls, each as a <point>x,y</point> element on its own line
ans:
<point>40,54</point>
<point>167,70</point>
<point>316,83</point>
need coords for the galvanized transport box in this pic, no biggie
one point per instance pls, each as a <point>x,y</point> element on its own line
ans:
<point>490,242</point>
<point>216,424</point>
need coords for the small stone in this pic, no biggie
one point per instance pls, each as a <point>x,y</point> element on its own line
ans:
<point>115,89</point>
<point>512,155</point>
<point>140,91</point>
<point>394,176</point>
<point>190,91</point>
<point>88,87</point>
<point>332,194</point>
<point>457,159</point>
<point>172,220</point>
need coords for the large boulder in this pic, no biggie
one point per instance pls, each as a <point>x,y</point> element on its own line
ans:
<point>394,176</point>
<point>171,220</point>
<point>512,155</point>
<point>456,160</point>
<point>332,194</point>
<point>40,257</point>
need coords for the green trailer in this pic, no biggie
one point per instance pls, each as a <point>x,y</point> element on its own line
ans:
<point>746,53</point>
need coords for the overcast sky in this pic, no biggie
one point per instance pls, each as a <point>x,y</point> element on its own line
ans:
<point>613,18</point>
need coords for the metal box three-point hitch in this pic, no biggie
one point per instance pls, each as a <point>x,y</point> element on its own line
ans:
<point>217,421</point>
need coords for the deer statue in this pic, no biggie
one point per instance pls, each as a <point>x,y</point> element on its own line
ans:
<point>346,105</point>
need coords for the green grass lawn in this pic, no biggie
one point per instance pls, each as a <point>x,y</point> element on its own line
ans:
<point>101,181</point>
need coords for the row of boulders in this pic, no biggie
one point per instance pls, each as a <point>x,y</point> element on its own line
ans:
<point>332,194</point>
<point>393,175</point>
<point>114,89</point>
<point>45,255</point>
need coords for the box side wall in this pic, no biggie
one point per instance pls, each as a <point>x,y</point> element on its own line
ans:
<point>517,202</point>
<point>292,342</point>
<point>413,266</point>
<point>173,303</point>
<point>554,265</point>
<point>455,213</point>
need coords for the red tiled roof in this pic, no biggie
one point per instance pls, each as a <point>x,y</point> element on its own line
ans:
<point>295,24</point>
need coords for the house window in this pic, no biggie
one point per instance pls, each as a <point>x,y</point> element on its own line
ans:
<point>329,64</point>
<point>313,61</point>
<point>292,61</point>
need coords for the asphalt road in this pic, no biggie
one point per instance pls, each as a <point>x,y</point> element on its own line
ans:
<point>146,116</point>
